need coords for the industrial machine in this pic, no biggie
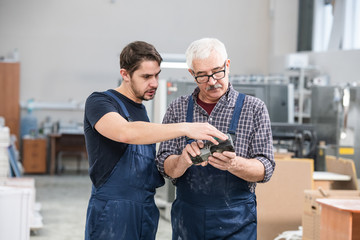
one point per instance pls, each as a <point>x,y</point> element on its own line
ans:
<point>335,112</point>
<point>279,98</point>
<point>301,139</point>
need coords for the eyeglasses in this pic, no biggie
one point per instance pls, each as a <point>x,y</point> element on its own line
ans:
<point>216,76</point>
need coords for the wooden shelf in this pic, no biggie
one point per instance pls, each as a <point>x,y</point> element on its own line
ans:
<point>10,95</point>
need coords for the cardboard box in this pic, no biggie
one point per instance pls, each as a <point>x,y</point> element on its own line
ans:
<point>280,201</point>
<point>311,215</point>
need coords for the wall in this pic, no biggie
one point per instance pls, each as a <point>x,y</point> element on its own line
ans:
<point>69,49</point>
<point>283,32</point>
<point>341,66</point>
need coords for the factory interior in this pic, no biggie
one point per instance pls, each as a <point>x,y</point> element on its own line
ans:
<point>300,57</point>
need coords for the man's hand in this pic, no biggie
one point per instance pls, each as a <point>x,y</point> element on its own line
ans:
<point>192,149</point>
<point>204,131</point>
<point>176,165</point>
<point>249,169</point>
<point>224,161</point>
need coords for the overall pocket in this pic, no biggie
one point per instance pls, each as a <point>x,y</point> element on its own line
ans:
<point>119,219</point>
<point>142,163</point>
<point>235,222</point>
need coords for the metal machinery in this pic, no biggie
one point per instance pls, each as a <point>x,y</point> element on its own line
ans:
<point>279,97</point>
<point>301,139</point>
<point>335,113</point>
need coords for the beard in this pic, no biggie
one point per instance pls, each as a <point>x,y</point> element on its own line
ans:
<point>145,96</point>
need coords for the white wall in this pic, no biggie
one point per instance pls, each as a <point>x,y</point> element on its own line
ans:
<point>341,66</point>
<point>70,48</point>
<point>283,32</point>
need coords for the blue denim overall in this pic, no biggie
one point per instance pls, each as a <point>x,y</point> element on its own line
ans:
<point>123,207</point>
<point>211,203</point>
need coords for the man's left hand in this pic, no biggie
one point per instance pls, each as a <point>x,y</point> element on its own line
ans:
<point>223,161</point>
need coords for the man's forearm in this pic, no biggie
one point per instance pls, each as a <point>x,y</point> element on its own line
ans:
<point>175,166</point>
<point>251,170</point>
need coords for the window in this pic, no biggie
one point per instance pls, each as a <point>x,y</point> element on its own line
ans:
<point>335,25</point>
<point>323,20</point>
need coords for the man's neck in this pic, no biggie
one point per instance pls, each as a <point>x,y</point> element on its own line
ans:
<point>207,100</point>
<point>124,90</point>
<point>208,107</point>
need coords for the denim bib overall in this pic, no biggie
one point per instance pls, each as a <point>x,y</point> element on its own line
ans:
<point>211,203</point>
<point>123,207</point>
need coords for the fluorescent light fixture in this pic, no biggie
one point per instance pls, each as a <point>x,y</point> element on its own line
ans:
<point>174,65</point>
<point>173,60</point>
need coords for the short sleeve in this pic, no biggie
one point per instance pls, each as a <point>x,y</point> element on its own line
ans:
<point>96,106</point>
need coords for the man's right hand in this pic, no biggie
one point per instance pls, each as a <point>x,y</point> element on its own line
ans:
<point>176,165</point>
<point>204,131</point>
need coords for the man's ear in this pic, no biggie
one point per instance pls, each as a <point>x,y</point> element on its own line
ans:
<point>191,72</point>
<point>228,65</point>
<point>125,75</point>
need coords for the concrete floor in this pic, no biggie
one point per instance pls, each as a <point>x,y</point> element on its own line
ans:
<point>63,202</point>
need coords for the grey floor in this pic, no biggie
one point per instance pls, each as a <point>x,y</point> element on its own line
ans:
<point>63,202</point>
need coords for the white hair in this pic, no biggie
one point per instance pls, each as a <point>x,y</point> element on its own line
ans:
<point>202,48</point>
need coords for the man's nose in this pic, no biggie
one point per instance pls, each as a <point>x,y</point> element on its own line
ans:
<point>212,81</point>
<point>154,82</point>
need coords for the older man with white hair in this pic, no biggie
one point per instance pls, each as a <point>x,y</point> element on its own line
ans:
<point>216,198</point>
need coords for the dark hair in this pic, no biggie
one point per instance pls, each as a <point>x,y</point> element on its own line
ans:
<point>135,53</point>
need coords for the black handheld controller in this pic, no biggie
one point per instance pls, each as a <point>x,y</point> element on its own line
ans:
<point>209,148</point>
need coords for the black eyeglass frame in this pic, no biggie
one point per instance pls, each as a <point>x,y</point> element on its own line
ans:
<point>212,75</point>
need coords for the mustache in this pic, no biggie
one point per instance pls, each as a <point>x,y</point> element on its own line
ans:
<point>218,85</point>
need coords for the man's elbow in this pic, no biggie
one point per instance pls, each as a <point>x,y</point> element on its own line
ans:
<point>123,138</point>
<point>124,135</point>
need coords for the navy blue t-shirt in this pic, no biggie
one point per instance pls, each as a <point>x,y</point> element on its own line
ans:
<point>104,153</point>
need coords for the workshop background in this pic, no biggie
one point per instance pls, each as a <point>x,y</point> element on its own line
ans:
<point>301,57</point>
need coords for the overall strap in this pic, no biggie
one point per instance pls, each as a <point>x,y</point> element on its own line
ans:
<point>189,115</point>
<point>122,105</point>
<point>190,110</point>
<point>236,115</point>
